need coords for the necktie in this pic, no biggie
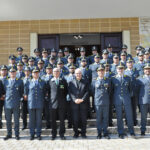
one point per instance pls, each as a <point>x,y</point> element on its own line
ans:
<point>78,84</point>
<point>57,82</point>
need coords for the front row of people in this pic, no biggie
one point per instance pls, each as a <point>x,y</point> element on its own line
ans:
<point>33,91</point>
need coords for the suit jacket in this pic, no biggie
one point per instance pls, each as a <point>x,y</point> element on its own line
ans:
<point>121,90</point>
<point>14,93</point>
<point>58,93</point>
<point>81,92</point>
<point>36,94</point>
<point>102,90</point>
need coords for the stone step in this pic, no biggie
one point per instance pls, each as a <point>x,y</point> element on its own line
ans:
<point>69,132</point>
<point>90,122</point>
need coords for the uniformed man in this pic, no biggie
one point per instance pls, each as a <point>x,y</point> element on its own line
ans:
<point>82,55</point>
<point>140,64</point>
<point>94,53</point>
<point>14,93</point>
<point>102,94</point>
<point>69,78</point>
<point>143,91</point>
<point>133,74</point>
<point>31,63</point>
<point>41,67</point>
<point>60,56</point>
<point>93,69</point>
<point>3,78</point>
<point>12,62</point>
<point>66,52</point>
<point>125,49</point>
<point>58,92</point>
<point>24,104</point>
<point>147,56</point>
<point>35,93</point>
<point>79,93</point>
<point>115,64</point>
<point>37,53</point>
<point>123,58</point>
<point>19,52</point>
<point>53,52</point>
<point>20,72</point>
<point>121,89</point>
<point>25,60</point>
<point>47,77</point>
<point>52,61</point>
<point>45,57</point>
<point>110,50</point>
<point>138,49</point>
<point>70,61</point>
<point>108,74</point>
<point>63,70</point>
<point>105,57</point>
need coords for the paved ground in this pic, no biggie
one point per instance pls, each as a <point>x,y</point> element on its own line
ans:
<point>81,144</point>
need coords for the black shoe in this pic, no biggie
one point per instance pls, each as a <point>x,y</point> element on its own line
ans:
<point>47,127</point>
<point>53,138</point>
<point>39,137</point>
<point>84,136</point>
<point>111,125</point>
<point>24,127</point>
<point>99,136</point>
<point>17,137</point>
<point>1,125</point>
<point>7,137</point>
<point>31,138</point>
<point>142,133</point>
<point>69,126</point>
<point>62,138</point>
<point>121,136</point>
<point>106,136</point>
<point>76,136</point>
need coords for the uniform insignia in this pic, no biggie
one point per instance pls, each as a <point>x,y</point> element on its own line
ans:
<point>16,78</point>
<point>62,86</point>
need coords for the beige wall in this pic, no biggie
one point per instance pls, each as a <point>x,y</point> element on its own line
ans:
<point>17,33</point>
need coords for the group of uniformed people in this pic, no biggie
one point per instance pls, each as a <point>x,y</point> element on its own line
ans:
<point>53,86</point>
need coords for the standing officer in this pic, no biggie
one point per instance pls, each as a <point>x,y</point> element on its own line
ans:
<point>94,53</point>
<point>24,106</point>
<point>37,53</point>
<point>20,73</point>
<point>140,63</point>
<point>12,62</point>
<point>102,90</point>
<point>108,74</point>
<point>35,93</point>
<point>125,49</point>
<point>41,67</point>
<point>121,88</point>
<point>60,56</point>
<point>138,49</point>
<point>105,57</point>
<point>69,78</point>
<point>82,55</point>
<point>58,92</point>
<point>19,51</point>
<point>133,74</point>
<point>93,69</point>
<point>14,93</point>
<point>45,57</point>
<point>110,50</point>
<point>3,78</point>
<point>79,92</point>
<point>143,89</point>
<point>115,64</point>
<point>47,77</point>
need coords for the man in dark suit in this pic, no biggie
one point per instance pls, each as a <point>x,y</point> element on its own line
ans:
<point>58,92</point>
<point>79,92</point>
